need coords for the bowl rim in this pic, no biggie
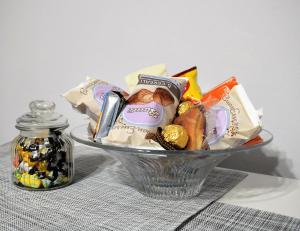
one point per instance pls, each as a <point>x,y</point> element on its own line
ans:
<point>77,132</point>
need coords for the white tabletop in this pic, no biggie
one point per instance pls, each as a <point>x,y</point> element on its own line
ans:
<point>268,193</point>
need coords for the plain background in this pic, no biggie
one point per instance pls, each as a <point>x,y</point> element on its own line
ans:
<point>47,47</point>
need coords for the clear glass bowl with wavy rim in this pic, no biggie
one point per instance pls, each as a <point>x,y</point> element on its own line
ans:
<point>165,174</point>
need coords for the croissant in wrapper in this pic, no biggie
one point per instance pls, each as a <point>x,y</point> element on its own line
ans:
<point>152,104</point>
<point>193,121</point>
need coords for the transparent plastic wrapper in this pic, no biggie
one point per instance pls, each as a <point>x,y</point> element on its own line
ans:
<point>152,104</point>
<point>88,97</point>
<point>232,121</point>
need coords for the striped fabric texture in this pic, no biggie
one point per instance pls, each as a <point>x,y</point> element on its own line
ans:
<point>225,217</point>
<point>100,198</point>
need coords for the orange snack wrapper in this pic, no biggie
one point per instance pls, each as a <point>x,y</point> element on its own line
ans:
<point>217,93</point>
<point>254,141</point>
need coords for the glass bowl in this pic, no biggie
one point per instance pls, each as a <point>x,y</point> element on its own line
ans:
<point>165,174</point>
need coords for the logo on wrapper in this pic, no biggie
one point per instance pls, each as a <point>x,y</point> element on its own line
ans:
<point>148,115</point>
<point>217,123</point>
<point>102,88</point>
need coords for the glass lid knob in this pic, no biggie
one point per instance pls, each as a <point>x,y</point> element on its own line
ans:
<point>42,108</point>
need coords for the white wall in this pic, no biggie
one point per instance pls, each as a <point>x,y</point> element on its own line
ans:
<point>47,47</point>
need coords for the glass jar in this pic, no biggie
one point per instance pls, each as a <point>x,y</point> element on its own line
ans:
<point>42,155</point>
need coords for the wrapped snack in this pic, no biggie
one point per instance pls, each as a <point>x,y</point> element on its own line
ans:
<point>176,135</point>
<point>168,138</point>
<point>30,180</point>
<point>152,104</point>
<point>156,70</point>
<point>184,106</point>
<point>237,123</point>
<point>111,108</point>
<point>192,90</point>
<point>217,124</point>
<point>256,140</point>
<point>216,94</point>
<point>193,121</point>
<point>87,98</point>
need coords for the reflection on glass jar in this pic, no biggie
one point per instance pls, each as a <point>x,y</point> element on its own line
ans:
<point>42,156</point>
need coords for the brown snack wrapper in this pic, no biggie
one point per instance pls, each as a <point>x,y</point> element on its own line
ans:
<point>152,104</point>
<point>193,121</point>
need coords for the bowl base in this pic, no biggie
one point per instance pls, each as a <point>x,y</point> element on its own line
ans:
<point>165,192</point>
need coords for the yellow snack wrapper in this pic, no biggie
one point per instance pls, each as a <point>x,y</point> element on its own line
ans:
<point>192,90</point>
<point>30,180</point>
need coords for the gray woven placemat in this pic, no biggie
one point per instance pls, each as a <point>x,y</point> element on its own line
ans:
<point>225,217</point>
<point>97,200</point>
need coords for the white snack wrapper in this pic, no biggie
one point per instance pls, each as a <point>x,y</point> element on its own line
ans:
<point>152,104</point>
<point>155,70</point>
<point>244,123</point>
<point>87,98</point>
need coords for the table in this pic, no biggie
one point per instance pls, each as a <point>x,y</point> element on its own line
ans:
<point>265,193</point>
<point>269,193</point>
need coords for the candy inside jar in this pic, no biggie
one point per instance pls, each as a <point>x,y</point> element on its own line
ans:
<point>42,154</point>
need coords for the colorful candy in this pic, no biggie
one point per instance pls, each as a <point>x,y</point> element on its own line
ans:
<point>41,163</point>
<point>31,181</point>
<point>184,106</point>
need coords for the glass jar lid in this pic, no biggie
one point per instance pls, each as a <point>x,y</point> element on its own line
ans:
<point>41,116</point>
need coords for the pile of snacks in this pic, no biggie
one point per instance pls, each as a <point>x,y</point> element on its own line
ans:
<point>167,112</point>
<point>41,163</point>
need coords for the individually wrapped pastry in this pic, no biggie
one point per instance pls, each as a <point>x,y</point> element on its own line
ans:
<point>87,98</point>
<point>152,104</point>
<point>193,120</point>
<point>233,120</point>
